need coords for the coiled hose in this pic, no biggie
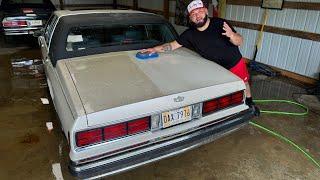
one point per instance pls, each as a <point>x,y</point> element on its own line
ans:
<point>281,137</point>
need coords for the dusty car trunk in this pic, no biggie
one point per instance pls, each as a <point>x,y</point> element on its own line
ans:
<point>111,80</point>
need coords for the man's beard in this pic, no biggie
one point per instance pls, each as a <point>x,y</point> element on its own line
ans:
<point>199,24</point>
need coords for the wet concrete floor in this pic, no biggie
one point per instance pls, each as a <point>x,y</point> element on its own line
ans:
<point>28,150</point>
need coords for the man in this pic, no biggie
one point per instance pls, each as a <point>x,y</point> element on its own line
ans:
<point>215,40</point>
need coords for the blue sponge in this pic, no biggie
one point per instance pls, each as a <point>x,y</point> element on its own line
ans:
<point>146,55</point>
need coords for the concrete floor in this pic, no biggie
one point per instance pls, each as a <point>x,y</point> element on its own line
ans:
<point>28,150</point>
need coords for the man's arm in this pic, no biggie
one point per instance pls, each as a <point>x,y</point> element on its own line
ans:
<point>235,38</point>
<point>164,47</point>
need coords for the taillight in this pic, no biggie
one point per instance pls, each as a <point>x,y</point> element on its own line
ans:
<point>89,137</point>
<point>222,102</point>
<point>27,10</point>
<point>210,106</point>
<point>111,132</point>
<point>14,23</point>
<point>237,97</point>
<point>139,125</point>
<point>115,131</point>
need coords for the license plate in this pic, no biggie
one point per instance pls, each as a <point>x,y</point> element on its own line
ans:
<point>35,23</point>
<point>176,116</point>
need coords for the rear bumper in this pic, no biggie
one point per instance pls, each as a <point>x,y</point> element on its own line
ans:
<point>20,31</point>
<point>204,135</point>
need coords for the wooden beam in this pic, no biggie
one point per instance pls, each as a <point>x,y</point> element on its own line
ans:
<point>286,4</point>
<point>115,4</point>
<point>135,4</point>
<point>166,9</point>
<point>61,4</point>
<point>278,30</point>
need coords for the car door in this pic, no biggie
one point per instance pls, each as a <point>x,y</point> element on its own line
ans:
<point>56,91</point>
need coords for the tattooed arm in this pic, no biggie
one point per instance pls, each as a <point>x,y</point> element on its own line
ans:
<point>164,47</point>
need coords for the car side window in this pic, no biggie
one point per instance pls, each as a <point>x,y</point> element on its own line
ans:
<point>49,28</point>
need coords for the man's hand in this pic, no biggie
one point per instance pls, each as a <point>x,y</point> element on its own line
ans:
<point>228,31</point>
<point>235,38</point>
<point>149,50</point>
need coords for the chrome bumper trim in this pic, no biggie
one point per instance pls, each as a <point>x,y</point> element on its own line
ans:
<point>172,147</point>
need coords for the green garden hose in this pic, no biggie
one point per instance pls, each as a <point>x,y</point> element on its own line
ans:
<point>283,112</point>
<point>305,153</point>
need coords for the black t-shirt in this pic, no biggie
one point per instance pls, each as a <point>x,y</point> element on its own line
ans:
<point>211,44</point>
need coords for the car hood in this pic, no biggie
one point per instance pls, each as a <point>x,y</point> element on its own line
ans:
<point>110,80</point>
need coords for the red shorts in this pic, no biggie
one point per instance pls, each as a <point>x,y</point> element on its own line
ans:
<point>241,70</point>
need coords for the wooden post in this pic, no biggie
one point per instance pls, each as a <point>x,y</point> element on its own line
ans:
<point>115,4</point>
<point>135,4</point>
<point>61,4</point>
<point>166,9</point>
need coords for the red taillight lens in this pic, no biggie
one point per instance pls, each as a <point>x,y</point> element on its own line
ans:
<point>89,137</point>
<point>237,97</point>
<point>210,106</point>
<point>115,131</point>
<point>223,102</point>
<point>27,10</point>
<point>138,125</point>
<point>112,132</point>
<point>14,23</point>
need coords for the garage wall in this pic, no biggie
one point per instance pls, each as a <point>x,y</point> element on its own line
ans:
<point>297,55</point>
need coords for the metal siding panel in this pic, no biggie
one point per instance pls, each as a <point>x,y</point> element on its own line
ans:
<point>303,57</point>
<point>248,42</point>
<point>274,51</point>
<point>318,25</point>
<point>283,51</point>
<point>313,67</point>
<point>300,20</point>
<point>312,21</point>
<point>247,14</point>
<point>233,12</point>
<point>228,11</point>
<point>255,15</point>
<point>272,17</point>
<point>260,51</point>
<point>269,49</point>
<point>293,54</point>
<point>238,18</point>
<point>265,48</point>
<point>259,17</point>
<point>281,15</point>
<point>290,18</point>
<point>279,50</point>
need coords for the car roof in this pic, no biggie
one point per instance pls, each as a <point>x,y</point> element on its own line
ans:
<point>69,19</point>
<point>61,13</point>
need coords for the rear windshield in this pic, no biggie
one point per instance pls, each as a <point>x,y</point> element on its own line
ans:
<point>91,37</point>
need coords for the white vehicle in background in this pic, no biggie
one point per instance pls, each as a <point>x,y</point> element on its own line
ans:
<point>118,112</point>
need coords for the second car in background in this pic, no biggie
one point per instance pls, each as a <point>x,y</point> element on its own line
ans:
<point>25,17</point>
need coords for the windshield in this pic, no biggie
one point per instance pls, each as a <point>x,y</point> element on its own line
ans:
<point>90,37</point>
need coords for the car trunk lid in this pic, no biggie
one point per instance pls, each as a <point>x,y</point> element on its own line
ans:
<point>108,81</point>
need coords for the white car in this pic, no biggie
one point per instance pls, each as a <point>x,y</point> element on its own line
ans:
<point>119,112</point>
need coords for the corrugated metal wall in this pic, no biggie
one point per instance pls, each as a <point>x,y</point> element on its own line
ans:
<point>289,53</point>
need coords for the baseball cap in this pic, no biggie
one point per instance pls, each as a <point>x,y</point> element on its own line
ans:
<point>195,4</point>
